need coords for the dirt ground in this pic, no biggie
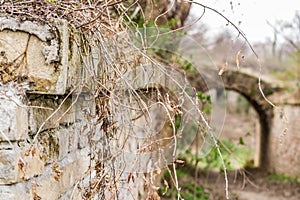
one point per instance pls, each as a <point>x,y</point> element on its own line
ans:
<point>247,185</point>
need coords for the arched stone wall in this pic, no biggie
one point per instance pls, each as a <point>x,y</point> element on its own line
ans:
<point>246,84</point>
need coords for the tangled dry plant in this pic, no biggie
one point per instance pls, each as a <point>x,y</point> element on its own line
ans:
<point>137,98</point>
<point>107,54</point>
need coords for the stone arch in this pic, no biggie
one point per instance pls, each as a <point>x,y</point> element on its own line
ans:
<point>246,84</point>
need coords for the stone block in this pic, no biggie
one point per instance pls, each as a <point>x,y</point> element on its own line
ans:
<point>73,168</point>
<point>34,52</point>
<point>45,185</point>
<point>59,142</point>
<point>13,115</point>
<point>8,166</point>
<point>18,164</point>
<point>78,70</point>
<point>56,111</point>
<point>14,192</point>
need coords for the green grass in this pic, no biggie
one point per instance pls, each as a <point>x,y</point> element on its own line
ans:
<point>235,156</point>
<point>283,178</point>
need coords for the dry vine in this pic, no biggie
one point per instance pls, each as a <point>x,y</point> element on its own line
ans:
<point>123,124</point>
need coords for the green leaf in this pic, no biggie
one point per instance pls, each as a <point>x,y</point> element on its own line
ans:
<point>242,141</point>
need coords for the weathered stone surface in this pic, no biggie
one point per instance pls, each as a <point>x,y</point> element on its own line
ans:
<point>18,164</point>
<point>43,32</point>
<point>85,117</point>
<point>59,142</point>
<point>284,150</point>
<point>18,191</point>
<point>83,138</point>
<point>43,57</point>
<point>84,107</point>
<point>77,72</point>
<point>31,51</point>
<point>46,186</point>
<point>13,114</point>
<point>73,168</point>
<point>33,164</point>
<point>57,110</point>
<point>8,166</point>
<point>64,52</point>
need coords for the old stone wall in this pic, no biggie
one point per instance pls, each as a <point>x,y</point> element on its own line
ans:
<point>43,146</point>
<point>284,149</point>
<point>57,137</point>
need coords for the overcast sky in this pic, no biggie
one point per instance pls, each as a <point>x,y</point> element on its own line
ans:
<point>253,15</point>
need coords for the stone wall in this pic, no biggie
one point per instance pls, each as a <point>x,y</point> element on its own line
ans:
<point>57,139</point>
<point>284,149</point>
<point>43,147</point>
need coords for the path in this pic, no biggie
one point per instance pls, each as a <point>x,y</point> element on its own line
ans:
<point>253,184</point>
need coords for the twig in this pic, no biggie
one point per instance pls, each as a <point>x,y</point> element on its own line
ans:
<point>24,106</point>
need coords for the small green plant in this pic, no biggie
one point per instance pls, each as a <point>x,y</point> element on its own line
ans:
<point>189,191</point>
<point>283,178</point>
<point>178,121</point>
<point>204,97</point>
<point>235,156</point>
<point>206,102</point>
<point>187,66</point>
